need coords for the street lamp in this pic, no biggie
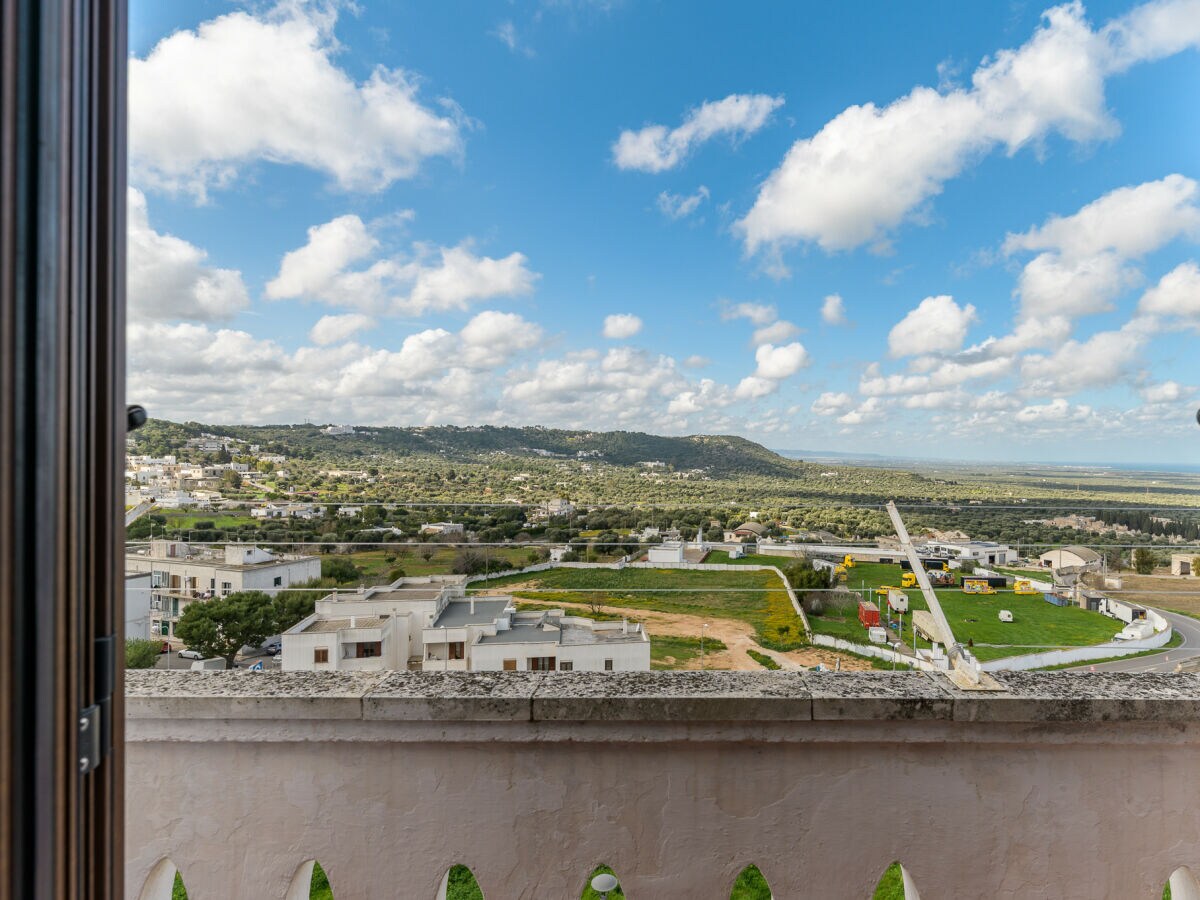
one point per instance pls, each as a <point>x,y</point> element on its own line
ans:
<point>703,632</point>
<point>603,883</point>
<point>895,654</point>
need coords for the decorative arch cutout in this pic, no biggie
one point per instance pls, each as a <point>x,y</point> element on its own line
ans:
<point>617,893</point>
<point>163,883</point>
<point>459,884</point>
<point>750,885</point>
<point>1182,885</point>
<point>309,883</point>
<point>896,884</point>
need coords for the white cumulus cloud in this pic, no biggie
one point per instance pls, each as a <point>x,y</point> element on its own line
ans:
<point>656,148</point>
<point>680,206</point>
<point>167,277</point>
<point>833,310</point>
<point>621,326</point>
<point>937,325</point>
<point>335,329</point>
<point>247,87</point>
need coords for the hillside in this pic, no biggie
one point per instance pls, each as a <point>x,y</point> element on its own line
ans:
<point>719,454</point>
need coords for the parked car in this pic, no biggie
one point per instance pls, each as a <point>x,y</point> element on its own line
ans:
<point>273,647</point>
<point>190,654</point>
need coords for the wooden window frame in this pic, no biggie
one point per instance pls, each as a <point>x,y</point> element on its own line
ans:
<point>320,655</point>
<point>62,432</point>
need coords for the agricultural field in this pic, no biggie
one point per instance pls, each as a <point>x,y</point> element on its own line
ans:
<point>756,598</point>
<point>751,559</point>
<point>671,652</point>
<point>1037,625</point>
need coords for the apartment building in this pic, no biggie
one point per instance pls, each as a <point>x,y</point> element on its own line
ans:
<point>181,573</point>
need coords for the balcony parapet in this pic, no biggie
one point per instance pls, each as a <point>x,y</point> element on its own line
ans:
<point>1062,785</point>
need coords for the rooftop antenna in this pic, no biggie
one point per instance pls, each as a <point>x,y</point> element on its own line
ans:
<point>964,667</point>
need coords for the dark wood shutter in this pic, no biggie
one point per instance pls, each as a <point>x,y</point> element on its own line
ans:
<point>62,429</point>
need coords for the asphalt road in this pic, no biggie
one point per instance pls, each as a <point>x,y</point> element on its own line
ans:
<point>1167,660</point>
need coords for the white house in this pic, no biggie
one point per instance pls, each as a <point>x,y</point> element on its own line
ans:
<point>442,528</point>
<point>181,573</point>
<point>335,430</point>
<point>430,620</point>
<point>1065,557</point>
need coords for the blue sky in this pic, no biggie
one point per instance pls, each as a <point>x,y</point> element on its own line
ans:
<point>954,230</point>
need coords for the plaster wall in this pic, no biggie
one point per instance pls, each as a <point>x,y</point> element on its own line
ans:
<point>1061,786</point>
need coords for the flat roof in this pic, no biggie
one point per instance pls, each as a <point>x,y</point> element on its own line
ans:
<point>404,592</point>
<point>458,613</point>
<point>327,625</point>
<point>522,634</point>
<point>530,632</point>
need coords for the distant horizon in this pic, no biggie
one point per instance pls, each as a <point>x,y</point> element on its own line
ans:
<point>874,458</point>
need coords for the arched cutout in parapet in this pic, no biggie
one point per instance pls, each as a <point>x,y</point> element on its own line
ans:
<point>1182,885</point>
<point>896,884</point>
<point>163,883</point>
<point>309,883</point>
<point>616,893</point>
<point>750,885</point>
<point>459,884</point>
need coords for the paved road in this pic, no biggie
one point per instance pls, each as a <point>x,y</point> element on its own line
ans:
<point>1188,651</point>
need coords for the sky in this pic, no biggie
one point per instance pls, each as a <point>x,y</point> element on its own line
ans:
<point>939,229</point>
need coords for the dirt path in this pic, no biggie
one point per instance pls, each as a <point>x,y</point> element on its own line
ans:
<point>737,636</point>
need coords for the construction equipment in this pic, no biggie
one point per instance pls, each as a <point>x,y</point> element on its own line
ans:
<point>883,591</point>
<point>977,586</point>
<point>1025,587</point>
<point>909,580</point>
<point>848,562</point>
<point>965,671</point>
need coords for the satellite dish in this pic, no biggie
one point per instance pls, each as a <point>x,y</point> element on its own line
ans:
<point>603,883</point>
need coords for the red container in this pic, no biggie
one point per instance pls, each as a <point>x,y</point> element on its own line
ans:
<point>868,613</point>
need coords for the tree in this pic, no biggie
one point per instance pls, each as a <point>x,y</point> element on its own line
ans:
<point>339,569</point>
<point>1196,565</point>
<point>468,562</point>
<point>1114,558</point>
<point>427,553</point>
<point>293,605</point>
<point>231,480</point>
<point>1143,561</point>
<point>140,653</point>
<point>222,626</point>
<point>966,566</point>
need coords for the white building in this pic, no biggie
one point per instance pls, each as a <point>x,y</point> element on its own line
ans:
<point>1065,557</point>
<point>336,430</point>
<point>987,553</point>
<point>666,553</point>
<point>429,621</point>
<point>1183,564</point>
<point>442,528</point>
<point>181,574</point>
<point>138,596</point>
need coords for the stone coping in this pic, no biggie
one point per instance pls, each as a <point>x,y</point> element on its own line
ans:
<point>667,697</point>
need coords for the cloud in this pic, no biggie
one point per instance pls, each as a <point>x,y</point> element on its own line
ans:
<point>833,310</point>
<point>167,278</point>
<point>777,363</point>
<point>657,149</point>
<point>335,267</point>
<point>937,325</point>
<point>752,387</point>
<point>493,338</point>
<point>1050,285</point>
<point>697,362</point>
<point>871,168</point>
<point>506,33</point>
<point>246,87</point>
<point>680,206</point>
<point>621,326</point>
<point>829,403</point>
<point>335,329</point>
<point>1176,294</point>
<point>775,333</point>
<point>758,313</point>
<point>1103,359</point>
<point>1165,392</point>
<point>869,409</point>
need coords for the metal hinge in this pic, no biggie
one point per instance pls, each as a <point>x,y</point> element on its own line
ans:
<point>95,722</point>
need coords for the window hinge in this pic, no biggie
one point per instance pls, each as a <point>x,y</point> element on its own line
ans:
<point>95,722</point>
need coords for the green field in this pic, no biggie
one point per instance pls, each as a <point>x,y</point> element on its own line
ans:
<point>185,519</point>
<point>670,651</point>
<point>375,563</point>
<point>756,598</point>
<point>1036,625</point>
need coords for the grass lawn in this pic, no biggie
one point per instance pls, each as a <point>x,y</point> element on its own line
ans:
<point>588,894</point>
<point>674,652</point>
<point>185,519</point>
<point>750,885</point>
<point>1036,625</point>
<point>318,888</point>
<point>375,564</point>
<point>891,885</point>
<point>757,598</point>
<point>763,660</point>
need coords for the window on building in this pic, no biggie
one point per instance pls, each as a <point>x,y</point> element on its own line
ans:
<point>175,606</point>
<point>278,581</point>
<point>158,579</point>
<point>608,665</point>
<point>458,650</point>
<point>368,649</point>
<point>226,588</point>
<point>566,667</point>
<point>510,665</point>
<point>165,628</point>
<point>541,663</point>
<point>320,654</point>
